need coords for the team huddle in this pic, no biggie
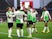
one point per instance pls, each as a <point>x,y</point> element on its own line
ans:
<point>29,18</point>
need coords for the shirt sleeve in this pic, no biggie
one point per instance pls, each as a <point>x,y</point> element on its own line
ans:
<point>24,14</point>
<point>6,14</point>
<point>49,15</point>
<point>15,13</point>
<point>36,12</point>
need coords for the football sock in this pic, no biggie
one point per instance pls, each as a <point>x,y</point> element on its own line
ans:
<point>9,32</point>
<point>44,29</point>
<point>22,32</point>
<point>48,29</point>
<point>29,29</point>
<point>33,29</point>
<point>18,32</point>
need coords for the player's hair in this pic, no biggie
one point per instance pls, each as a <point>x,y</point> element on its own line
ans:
<point>45,7</point>
<point>18,8</point>
<point>7,8</point>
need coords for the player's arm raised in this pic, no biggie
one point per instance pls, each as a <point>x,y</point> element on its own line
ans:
<point>7,14</point>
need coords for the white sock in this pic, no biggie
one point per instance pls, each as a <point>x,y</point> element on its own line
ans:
<point>44,29</point>
<point>33,29</point>
<point>18,32</point>
<point>29,29</point>
<point>48,29</point>
<point>22,32</point>
<point>9,32</point>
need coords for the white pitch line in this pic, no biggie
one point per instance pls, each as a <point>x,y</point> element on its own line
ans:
<point>7,33</point>
<point>16,35</point>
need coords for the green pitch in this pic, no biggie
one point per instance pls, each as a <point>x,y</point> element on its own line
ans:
<point>39,35</point>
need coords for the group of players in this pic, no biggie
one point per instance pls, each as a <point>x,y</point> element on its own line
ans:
<point>29,17</point>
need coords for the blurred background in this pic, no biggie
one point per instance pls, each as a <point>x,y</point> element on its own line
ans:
<point>37,4</point>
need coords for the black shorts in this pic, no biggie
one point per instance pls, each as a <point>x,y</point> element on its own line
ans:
<point>10,25</point>
<point>29,23</point>
<point>34,22</point>
<point>46,21</point>
<point>19,25</point>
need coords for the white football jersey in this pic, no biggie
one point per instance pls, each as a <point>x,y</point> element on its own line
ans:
<point>19,15</point>
<point>9,16</point>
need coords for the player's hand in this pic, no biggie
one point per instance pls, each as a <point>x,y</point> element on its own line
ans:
<point>41,19</point>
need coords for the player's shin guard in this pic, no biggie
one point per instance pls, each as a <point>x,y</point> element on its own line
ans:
<point>9,32</point>
<point>18,32</point>
<point>22,32</point>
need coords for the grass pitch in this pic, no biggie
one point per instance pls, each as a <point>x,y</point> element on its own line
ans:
<point>39,35</point>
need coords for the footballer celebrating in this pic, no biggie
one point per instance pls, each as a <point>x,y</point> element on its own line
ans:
<point>34,20</point>
<point>10,16</point>
<point>29,21</point>
<point>19,21</point>
<point>45,16</point>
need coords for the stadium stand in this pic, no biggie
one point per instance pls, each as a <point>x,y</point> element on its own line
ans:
<point>4,5</point>
<point>49,6</point>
